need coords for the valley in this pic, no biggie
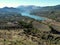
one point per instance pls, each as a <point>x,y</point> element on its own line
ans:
<point>18,27</point>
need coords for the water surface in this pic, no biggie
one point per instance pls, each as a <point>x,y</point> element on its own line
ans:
<point>34,16</point>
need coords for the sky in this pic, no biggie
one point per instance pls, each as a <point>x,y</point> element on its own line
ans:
<point>15,3</point>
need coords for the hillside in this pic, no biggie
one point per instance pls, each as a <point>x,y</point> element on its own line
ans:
<point>16,29</point>
<point>52,12</point>
<point>29,33</point>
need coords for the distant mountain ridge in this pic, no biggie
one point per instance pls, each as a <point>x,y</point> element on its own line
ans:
<point>29,8</point>
<point>48,8</point>
<point>8,9</point>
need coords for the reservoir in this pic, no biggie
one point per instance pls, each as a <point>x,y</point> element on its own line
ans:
<point>33,16</point>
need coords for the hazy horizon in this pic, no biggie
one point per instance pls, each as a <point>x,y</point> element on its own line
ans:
<point>16,3</point>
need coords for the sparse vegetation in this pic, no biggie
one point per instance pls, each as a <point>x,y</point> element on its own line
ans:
<point>52,14</point>
<point>18,30</point>
<point>28,35</point>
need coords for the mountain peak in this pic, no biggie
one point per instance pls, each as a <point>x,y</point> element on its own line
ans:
<point>5,7</point>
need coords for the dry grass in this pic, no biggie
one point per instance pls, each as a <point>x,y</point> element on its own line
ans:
<point>17,37</point>
<point>14,37</point>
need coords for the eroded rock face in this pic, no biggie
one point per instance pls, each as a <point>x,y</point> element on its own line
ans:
<point>41,26</point>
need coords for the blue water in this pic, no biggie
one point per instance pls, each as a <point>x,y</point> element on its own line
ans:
<point>34,16</point>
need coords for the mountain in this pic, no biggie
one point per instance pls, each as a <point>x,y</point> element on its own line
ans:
<point>27,8</point>
<point>30,8</point>
<point>18,9</point>
<point>8,9</point>
<point>48,8</point>
<point>52,12</point>
<point>57,7</point>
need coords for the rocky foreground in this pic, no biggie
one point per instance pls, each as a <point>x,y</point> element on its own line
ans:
<point>31,33</point>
